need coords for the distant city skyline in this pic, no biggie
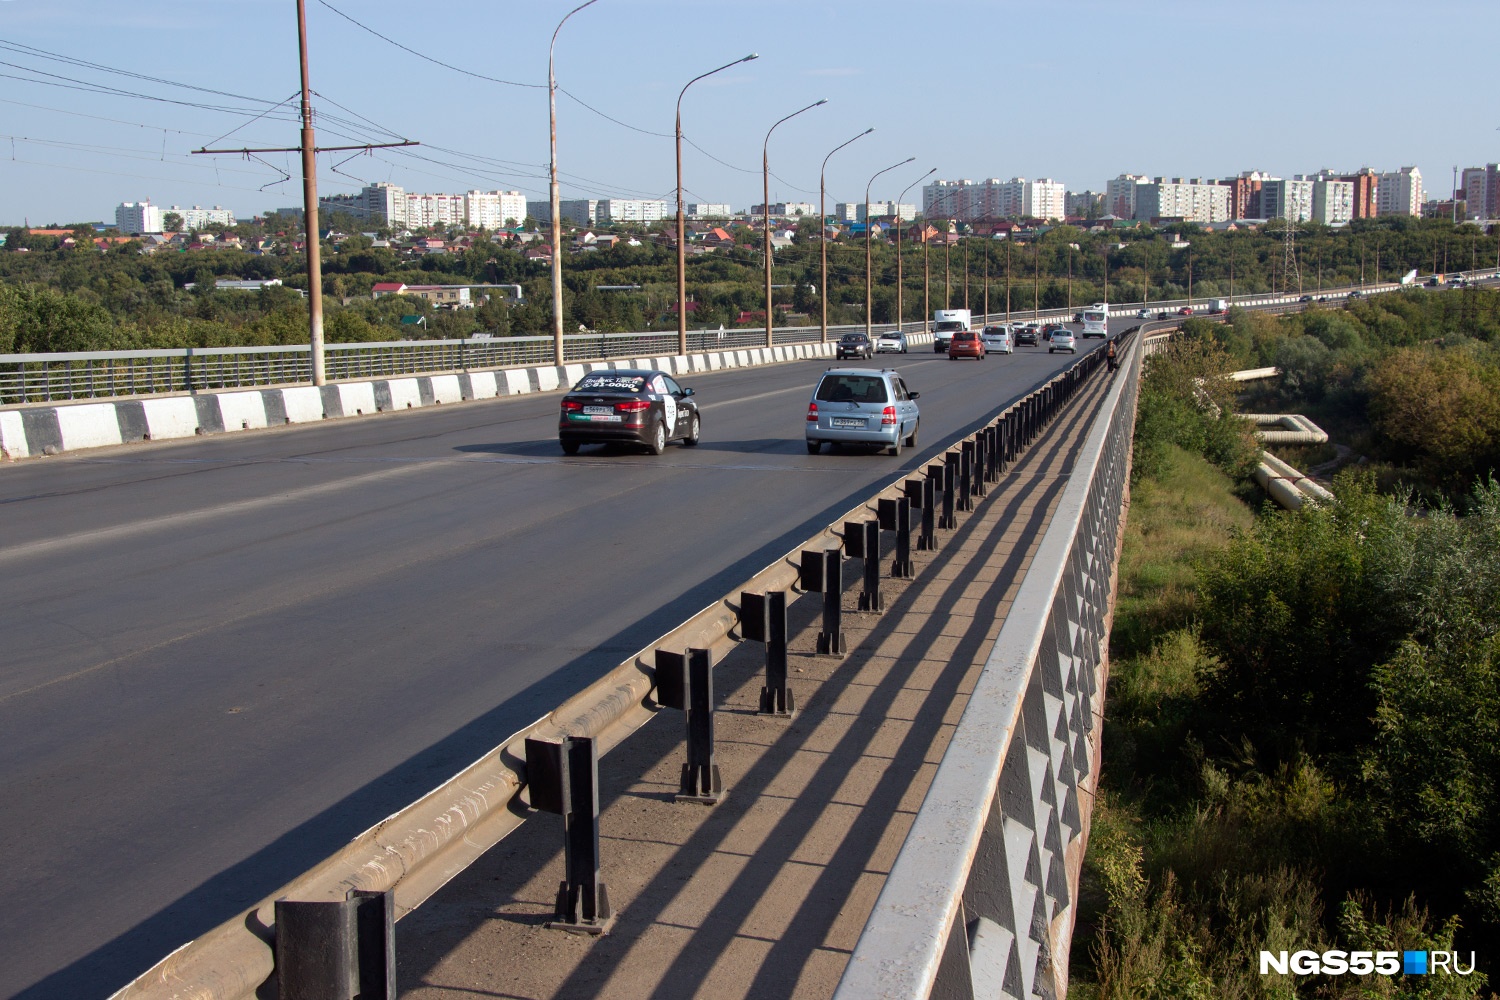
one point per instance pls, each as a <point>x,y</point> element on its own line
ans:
<point>1169,88</point>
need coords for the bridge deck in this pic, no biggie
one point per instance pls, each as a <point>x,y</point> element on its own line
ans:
<point>765,894</point>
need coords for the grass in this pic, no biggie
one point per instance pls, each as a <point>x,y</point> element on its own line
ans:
<point>1195,863</point>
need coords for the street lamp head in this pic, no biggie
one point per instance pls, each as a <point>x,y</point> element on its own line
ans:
<point>753,55</point>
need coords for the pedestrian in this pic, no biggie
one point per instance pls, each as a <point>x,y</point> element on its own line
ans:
<point>1109,355</point>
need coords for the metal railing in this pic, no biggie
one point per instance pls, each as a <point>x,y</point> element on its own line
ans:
<point>34,378</point>
<point>982,898</point>
<point>39,378</point>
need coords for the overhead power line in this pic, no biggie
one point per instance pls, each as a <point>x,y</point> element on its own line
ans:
<point>436,62</point>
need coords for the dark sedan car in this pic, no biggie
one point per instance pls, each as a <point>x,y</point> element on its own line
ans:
<point>1026,336</point>
<point>630,406</point>
<point>855,345</point>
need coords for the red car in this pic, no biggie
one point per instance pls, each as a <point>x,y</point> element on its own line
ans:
<point>966,344</point>
<point>1185,311</point>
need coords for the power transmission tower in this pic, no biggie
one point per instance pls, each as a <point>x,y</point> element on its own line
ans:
<point>1290,276</point>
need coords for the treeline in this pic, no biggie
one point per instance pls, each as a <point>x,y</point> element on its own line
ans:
<point>120,298</point>
<point>1302,737</point>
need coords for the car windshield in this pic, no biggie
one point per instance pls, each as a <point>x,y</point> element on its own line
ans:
<point>852,338</point>
<point>947,326</point>
<point>852,389</point>
<point>610,382</point>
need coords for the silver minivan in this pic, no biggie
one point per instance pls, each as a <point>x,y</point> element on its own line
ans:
<point>861,406</point>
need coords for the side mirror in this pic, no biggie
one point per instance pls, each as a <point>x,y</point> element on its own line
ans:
<point>686,393</point>
<point>912,395</point>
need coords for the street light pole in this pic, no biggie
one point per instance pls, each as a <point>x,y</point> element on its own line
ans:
<point>927,274</point>
<point>765,210</point>
<point>681,223</point>
<point>823,223</point>
<point>869,277</point>
<point>557,284</point>
<point>900,311</point>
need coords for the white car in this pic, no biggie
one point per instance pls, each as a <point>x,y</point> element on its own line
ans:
<point>1062,340</point>
<point>997,339</point>
<point>890,342</point>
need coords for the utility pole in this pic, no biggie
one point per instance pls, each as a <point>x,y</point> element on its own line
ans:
<point>966,274</point>
<point>986,282</point>
<point>947,273</point>
<point>1007,281</point>
<point>309,150</point>
<point>1036,277</point>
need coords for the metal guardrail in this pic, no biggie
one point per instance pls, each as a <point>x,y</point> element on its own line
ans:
<point>982,898</point>
<point>40,378</point>
<point>34,378</point>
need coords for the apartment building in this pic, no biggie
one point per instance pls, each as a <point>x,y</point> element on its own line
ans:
<point>423,210</point>
<point>1119,195</point>
<point>856,211</point>
<point>707,210</point>
<point>1193,201</point>
<point>631,210</point>
<point>1480,189</point>
<point>1332,200</point>
<point>197,217</point>
<point>966,200</point>
<point>137,218</point>
<point>401,208</point>
<point>1244,194</point>
<point>1287,199</point>
<point>1400,192</point>
<point>1077,204</point>
<point>784,210</point>
<point>494,209</point>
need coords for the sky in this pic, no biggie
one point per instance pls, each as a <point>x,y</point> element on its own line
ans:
<point>1075,90</point>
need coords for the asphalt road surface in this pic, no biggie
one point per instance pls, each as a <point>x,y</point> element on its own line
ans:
<point>226,657</point>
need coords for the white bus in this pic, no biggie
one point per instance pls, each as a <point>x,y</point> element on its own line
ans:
<point>1096,320</point>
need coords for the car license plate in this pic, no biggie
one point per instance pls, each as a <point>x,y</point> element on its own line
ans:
<point>605,418</point>
<point>847,422</point>
<point>599,409</point>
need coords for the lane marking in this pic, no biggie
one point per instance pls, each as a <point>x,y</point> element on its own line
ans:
<point>49,546</point>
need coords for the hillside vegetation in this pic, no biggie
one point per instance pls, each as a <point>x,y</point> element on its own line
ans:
<point>1302,738</point>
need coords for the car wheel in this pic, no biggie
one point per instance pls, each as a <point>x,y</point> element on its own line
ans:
<point>695,430</point>
<point>813,447</point>
<point>570,447</point>
<point>894,449</point>
<point>911,439</point>
<point>658,438</point>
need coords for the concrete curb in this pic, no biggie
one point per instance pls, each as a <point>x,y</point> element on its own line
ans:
<point>33,431</point>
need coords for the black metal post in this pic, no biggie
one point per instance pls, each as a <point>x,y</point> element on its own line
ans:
<point>870,598</point>
<point>980,450</point>
<point>966,476</point>
<point>776,697</point>
<point>950,474</point>
<point>341,949</point>
<point>831,640</point>
<point>701,781</point>
<point>563,778</point>
<point>895,515</point>
<point>927,539</point>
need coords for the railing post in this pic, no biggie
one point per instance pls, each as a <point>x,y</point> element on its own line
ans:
<point>895,515</point>
<point>966,476</point>
<point>337,949</point>
<point>949,520</point>
<point>686,682</point>
<point>824,571</point>
<point>870,598</point>
<point>763,619</point>
<point>563,778</point>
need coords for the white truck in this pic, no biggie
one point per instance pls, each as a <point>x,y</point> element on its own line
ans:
<point>945,323</point>
<point>1217,306</point>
